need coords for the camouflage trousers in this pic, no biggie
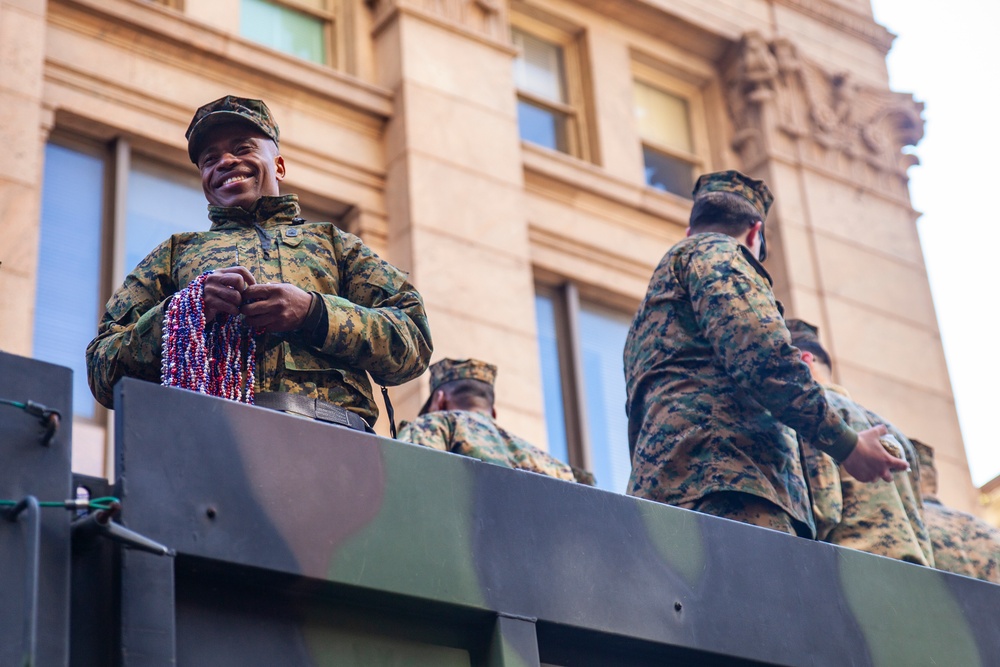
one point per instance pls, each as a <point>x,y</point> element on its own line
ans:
<point>747,508</point>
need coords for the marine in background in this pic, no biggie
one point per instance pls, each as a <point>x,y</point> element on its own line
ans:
<point>459,416</point>
<point>963,544</point>
<point>883,518</point>
<point>714,384</point>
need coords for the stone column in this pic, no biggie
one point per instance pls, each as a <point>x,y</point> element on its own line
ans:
<point>22,60</point>
<point>454,189</point>
<point>845,253</point>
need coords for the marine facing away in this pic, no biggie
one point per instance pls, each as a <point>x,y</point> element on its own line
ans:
<point>330,310</point>
<point>714,386</point>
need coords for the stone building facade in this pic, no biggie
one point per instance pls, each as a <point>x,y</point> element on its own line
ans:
<point>528,161</point>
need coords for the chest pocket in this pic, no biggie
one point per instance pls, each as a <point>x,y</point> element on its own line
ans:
<point>291,237</point>
<point>214,253</point>
<point>302,263</point>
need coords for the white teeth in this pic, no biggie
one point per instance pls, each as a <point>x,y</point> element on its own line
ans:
<point>233,179</point>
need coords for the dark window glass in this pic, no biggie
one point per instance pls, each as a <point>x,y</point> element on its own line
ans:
<point>160,201</point>
<point>602,344</point>
<point>541,126</point>
<point>602,341</point>
<point>69,259</point>
<point>552,387</point>
<point>664,172</point>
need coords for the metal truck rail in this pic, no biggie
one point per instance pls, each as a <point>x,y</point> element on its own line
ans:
<point>294,542</point>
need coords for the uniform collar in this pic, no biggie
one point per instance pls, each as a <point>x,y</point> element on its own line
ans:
<point>837,389</point>
<point>265,211</point>
<point>755,263</point>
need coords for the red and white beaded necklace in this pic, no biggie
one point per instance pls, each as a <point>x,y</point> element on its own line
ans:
<point>209,360</point>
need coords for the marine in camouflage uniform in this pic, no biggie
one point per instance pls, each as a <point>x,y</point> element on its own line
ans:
<point>714,384</point>
<point>459,417</point>
<point>330,308</point>
<point>883,518</point>
<point>963,544</point>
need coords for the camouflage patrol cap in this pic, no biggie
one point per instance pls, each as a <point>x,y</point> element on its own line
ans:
<point>803,331</point>
<point>754,191</point>
<point>224,110</point>
<point>449,370</point>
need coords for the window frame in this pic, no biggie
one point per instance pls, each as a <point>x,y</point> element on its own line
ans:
<point>116,154</point>
<point>566,306</point>
<point>568,299</point>
<point>335,51</point>
<point>659,79</point>
<point>105,151</point>
<point>571,41</point>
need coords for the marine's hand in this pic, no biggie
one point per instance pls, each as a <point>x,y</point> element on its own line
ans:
<point>223,291</point>
<point>870,461</point>
<point>275,307</point>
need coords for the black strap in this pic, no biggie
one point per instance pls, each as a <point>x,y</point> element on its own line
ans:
<point>314,408</point>
<point>809,492</point>
<point>388,409</point>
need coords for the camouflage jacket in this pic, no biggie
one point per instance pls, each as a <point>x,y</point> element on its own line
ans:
<point>879,517</point>
<point>476,434</point>
<point>962,543</point>
<point>713,380</point>
<point>376,317</point>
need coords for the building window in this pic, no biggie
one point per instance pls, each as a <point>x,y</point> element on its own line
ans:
<point>670,121</point>
<point>580,345</point>
<point>550,95</point>
<point>160,201</point>
<point>302,28</point>
<point>67,298</point>
<point>86,247</point>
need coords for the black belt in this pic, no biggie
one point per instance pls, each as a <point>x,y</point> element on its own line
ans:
<point>314,408</point>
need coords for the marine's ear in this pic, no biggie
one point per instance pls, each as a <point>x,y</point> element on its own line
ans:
<point>753,238</point>
<point>438,402</point>
<point>279,168</point>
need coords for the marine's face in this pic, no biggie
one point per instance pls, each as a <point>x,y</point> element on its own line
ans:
<point>239,165</point>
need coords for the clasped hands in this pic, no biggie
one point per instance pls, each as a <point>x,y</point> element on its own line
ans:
<point>268,307</point>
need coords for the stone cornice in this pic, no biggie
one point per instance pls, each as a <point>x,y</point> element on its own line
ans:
<point>858,25</point>
<point>189,43</point>
<point>482,20</point>
<point>550,173</point>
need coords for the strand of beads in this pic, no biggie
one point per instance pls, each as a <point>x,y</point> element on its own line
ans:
<point>207,359</point>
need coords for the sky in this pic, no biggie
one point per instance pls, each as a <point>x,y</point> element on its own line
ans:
<point>948,55</point>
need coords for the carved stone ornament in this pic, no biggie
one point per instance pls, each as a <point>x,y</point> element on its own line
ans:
<point>777,99</point>
<point>482,17</point>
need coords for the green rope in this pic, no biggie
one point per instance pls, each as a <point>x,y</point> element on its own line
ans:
<point>16,404</point>
<point>102,503</point>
